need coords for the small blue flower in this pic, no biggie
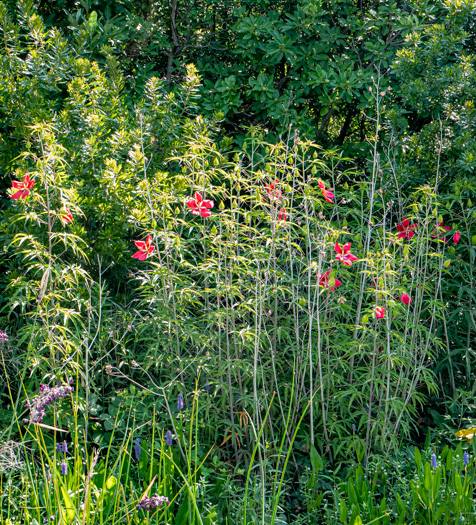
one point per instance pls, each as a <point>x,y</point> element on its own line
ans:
<point>465,459</point>
<point>354,427</point>
<point>64,468</point>
<point>169,438</point>
<point>207,386</point>
<point>180,402</point>
<point>137,448</point>
<point>65,446</point>
<point>433,461</point>
<point>58,447</point>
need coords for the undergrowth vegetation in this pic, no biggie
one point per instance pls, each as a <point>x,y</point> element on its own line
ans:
<point>202,328</point>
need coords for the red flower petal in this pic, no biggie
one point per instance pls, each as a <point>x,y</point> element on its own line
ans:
<point>338,249</point>
<point>379,312</point>
<point>18,195</point>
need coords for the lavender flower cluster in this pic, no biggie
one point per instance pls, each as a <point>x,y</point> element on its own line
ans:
<point>47,395</point>
<point>152,503</point>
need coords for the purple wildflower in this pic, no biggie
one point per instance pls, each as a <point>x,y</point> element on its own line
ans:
<point>207,386</point>
<point>169,438</point>
<point>354,427</point>
<point>152,503</point>
<point>137,448</point>
<point>180,402</point>
<point>3,337</point>
<point>65,446</point>
<point>58,447</point>
<point>64,468</point>
<point>433,461</point>
<point>46,396</point>
<point>465,459</point>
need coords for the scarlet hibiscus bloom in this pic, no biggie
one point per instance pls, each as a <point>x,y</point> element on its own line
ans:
<point>23,187</point>
<point>201,207</point>
<point>379,312</point>
<point>274,194</point>
<point>328,282</point>
<point>456,237</point>
<point>282,215</point>
<point>406,229</point>
<point>67,217</point>
<point>440,229</point>
<point>405,299</point>
<point>328,195</point>
<point>145,249</point>
<point>344,255</point>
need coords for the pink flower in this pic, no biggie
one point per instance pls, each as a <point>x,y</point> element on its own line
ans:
<point>282,215</point>
<point>456,237</point>
<point>406,229</point>
<point>23,187</point>
<point>200,207</point>
<point>326,281</point>
<point>328,195</point>
<point>67,217</point>
<point>273,193</point>
<point>440,229</point>
<point>405,299</point>
<point>379,312</point>
<point>145,249</point>
<point>344,255</point>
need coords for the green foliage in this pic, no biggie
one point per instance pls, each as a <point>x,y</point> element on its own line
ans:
<point>299,390</point>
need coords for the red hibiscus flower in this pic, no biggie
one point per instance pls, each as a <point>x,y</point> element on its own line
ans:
<point>379,312</point>
<point>456,237</point>
<point>282,215</point>
<point>328,195</point>
<point>200,207</point>
<point>67,217</point>
<point>274,194</point>
<point>23,187</point>
<point>406,229</point>
<point>344,255</point>
<point>439,232</point>
<point>405,299</point>
<point>145,249</point>
<point>328,282</point>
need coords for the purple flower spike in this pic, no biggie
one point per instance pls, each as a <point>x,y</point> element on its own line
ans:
<point>64,468</point>
<point>58,447</point>
<point>180,402</point>
<point>65,446</point>
<point>152,503</point>
<point>46,396</point>
<point>207,386</point>
<point>169,438</point>
<point>465,459</point>
<point>433,461</point>
<point>137,448</point>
